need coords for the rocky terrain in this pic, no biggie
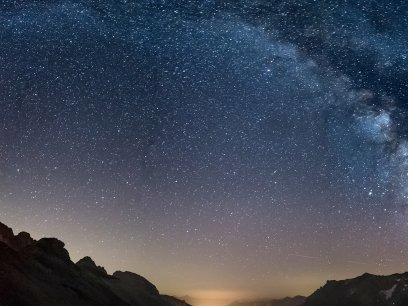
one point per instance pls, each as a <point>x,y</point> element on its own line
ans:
<point>41,273</point>
<point>365,290</point>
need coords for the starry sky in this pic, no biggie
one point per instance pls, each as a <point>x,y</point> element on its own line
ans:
<point>222,149</point>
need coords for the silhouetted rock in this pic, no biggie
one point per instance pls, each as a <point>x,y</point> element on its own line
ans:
<point>41,273</point>
<point>51,247</point>
<point>365,290</point>
<point>88,264</point>
<point>22,240</point>
<point>132,281</point>
<point>6,233</point>
<point>189,300</point>
<point>18,242</point>
<point>174,301</point>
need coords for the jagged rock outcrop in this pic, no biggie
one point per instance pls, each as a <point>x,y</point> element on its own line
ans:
<point>18,242</point>
<point>288,301</point>
<point>87,264</point>
<point>365,290</point>
<point>41,273</point>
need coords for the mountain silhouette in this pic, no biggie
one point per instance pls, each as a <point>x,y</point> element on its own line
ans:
<point>365,290</point>
<point>41,273</point>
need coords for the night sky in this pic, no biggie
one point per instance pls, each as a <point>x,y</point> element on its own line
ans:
<point>219,148</point>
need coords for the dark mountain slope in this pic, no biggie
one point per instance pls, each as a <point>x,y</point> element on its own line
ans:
<point>365,290</point>
<point>41,273</point>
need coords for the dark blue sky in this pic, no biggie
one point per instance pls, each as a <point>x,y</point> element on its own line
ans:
<point>209,145</point>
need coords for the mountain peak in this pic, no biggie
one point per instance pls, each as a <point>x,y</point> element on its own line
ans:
<point>364,290</point>
<point>17,242</point>
<point>87,263</point>
<point>41,272</point>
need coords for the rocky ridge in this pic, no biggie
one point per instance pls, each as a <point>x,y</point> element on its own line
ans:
<point>365,290</point>
<point>34,273</point>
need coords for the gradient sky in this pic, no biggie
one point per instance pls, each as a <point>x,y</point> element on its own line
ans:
<point>221,149</point>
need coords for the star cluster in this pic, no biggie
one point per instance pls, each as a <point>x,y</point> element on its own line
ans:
<point>243,145</point>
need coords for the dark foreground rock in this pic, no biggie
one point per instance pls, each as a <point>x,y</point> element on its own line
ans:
<point>41,273</point>
<point>365,290</point>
